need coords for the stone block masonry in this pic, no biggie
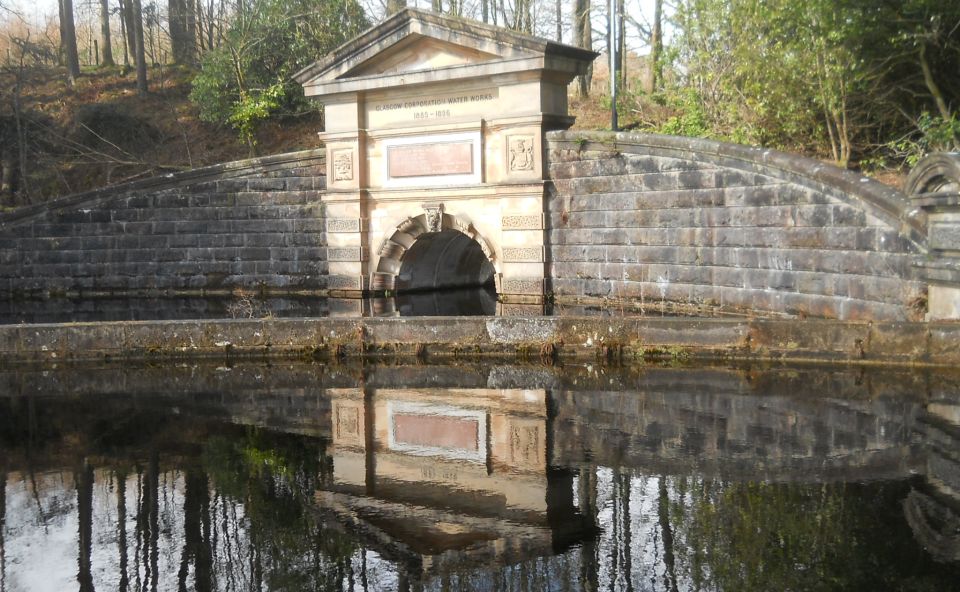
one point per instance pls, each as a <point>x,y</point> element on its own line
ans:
<point>657,220</point>
<point>255,224</point>
<point>646,220</point>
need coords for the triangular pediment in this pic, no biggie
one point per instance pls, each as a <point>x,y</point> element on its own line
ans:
<point>418,52</point>
<point>412,44</point>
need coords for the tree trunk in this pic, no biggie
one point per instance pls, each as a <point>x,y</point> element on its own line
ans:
<point>932,86</point>
<point>24,188</point>
<point>559,22</point>
<point>621,46</point>
<point>129,32</point>
<point>395,6</point>
<point>7,171</point>
<point>656,48</point>
<point>582,37</point>
<point>138,48</point>
<point>183,26</point>
<point>105,33</point>
<point>68,41</point>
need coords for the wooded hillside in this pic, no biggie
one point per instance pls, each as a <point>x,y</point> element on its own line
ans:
<point>108,90</point>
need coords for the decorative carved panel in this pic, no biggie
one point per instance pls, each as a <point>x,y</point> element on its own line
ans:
<point>343,165</point>
<point>523,254</point>
<point>345,254</point>
<point>522,222</point>
<point>344,282</point>
<point>523,286</point>
<point>344,225</point>
<point>434,215</point>
<point>521,153</point>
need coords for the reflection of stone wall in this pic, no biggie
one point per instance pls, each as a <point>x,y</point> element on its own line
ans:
<point>683,420</point>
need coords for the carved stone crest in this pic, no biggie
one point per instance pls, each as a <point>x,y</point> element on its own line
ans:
<point>343,165</point>
<point>434,216</point>
<point>521,153</point>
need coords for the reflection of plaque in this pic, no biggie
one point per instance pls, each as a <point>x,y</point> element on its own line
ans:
<point>437,431</point>
<point>348,422</point>
<point>449,432</point>
<point>430,160</point>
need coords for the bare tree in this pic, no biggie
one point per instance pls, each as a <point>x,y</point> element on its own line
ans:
<point>395,6</point>
<point>183,27</point>
<point>138,48</point>
<point>105,33</point>
<point>583,37</point>
<point>559,5</point>
<point>68,40</point>
<point>129,32</point>
<point>656,47</point>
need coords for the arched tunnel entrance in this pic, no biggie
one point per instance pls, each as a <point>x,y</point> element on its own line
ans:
<point>445,273</point>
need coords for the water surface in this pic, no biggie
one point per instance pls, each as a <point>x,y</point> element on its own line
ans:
<point>476,477</point>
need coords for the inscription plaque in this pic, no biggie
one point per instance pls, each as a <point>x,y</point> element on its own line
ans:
<point>430,160</point>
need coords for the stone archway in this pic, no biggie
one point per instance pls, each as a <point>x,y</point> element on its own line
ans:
<point>434,250</point>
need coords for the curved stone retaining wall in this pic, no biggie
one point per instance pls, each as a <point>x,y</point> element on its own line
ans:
<point>663,219</point>
<point>252,224</point>
<point>650,219</point>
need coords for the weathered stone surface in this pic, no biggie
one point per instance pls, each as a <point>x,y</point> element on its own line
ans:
<point>825,340</point>
<point>198,232</point>
<point>749,229</point>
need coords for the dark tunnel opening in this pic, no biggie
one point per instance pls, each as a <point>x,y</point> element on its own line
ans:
<point>446,273</point>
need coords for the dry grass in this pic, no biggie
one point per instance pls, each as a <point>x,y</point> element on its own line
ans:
<point>168,134</point>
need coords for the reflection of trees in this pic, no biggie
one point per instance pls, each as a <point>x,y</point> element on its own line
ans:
<point>790,536</point>
<point>267,527</point>
<point>120,478</point>
<point>686,532</point>
<point>83,480</point>
<point>3,525</point>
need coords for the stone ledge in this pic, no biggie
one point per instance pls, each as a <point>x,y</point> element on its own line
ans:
<point>917,344</point>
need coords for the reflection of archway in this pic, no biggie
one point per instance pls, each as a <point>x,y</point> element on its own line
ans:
<point>451,255</point>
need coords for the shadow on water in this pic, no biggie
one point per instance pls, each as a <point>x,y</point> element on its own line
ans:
<point>445,302</point>
<point>302,476</point>
<point>450,302</point>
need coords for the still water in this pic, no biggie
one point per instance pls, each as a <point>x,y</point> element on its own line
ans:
<point>244,305</point>
<point>299,476</point>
